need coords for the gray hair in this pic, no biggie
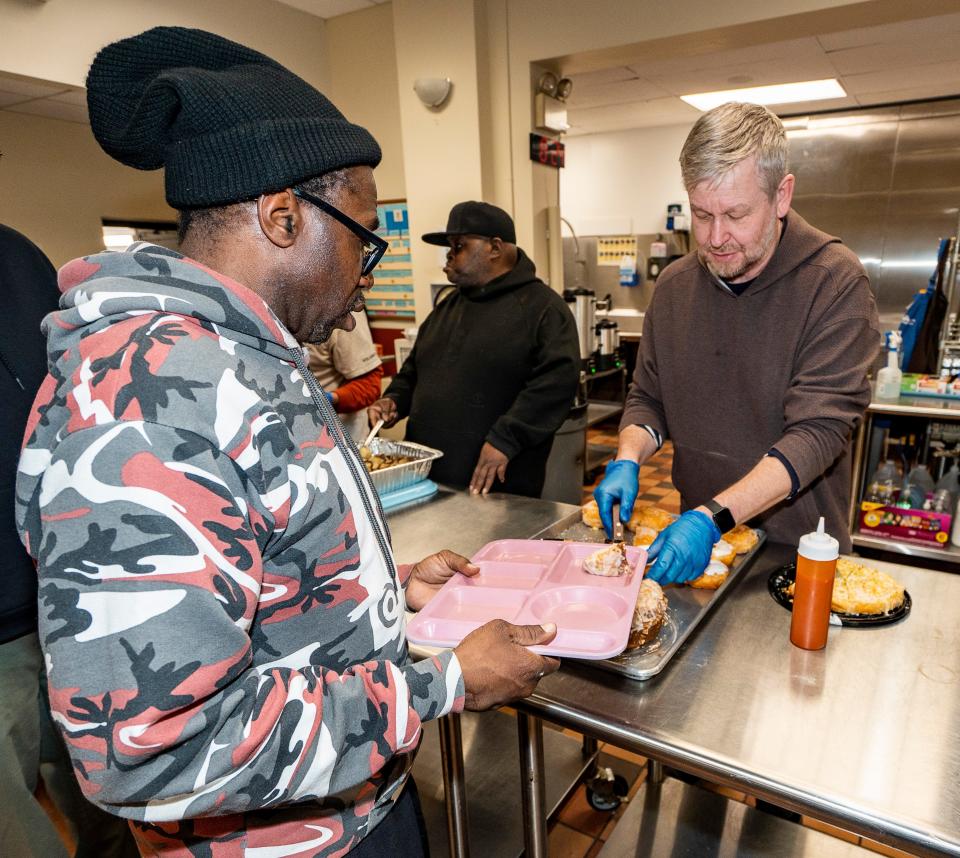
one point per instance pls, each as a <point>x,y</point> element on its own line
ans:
<point>730,133</point>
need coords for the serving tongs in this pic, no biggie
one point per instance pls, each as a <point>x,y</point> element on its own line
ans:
<point>617,538</point>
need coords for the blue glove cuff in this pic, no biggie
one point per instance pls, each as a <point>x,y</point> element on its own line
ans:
<point>620,465</point>
<point>708,520</point>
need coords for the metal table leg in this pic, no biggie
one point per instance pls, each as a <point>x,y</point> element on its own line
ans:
<point>454,787</point>
<point>655,772</point>
<point>530,734</point>
<point>591,751</point>
<point>590,746</point>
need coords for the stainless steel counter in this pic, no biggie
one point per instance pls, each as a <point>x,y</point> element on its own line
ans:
<point>464,523</point>
<point>864,734</point>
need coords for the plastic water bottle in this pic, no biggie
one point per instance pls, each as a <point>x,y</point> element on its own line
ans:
<point>890,376</point>
<point>955,530</point>
<point>916,486</point>
<point>883,484</point>
<point>947,490</point>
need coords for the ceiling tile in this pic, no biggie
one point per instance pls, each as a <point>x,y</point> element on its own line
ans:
<point>737,76</point>
<point>600,77</point>
<point>52,110</point>
<point>895,77</point>
<point>658,111</point>
<point>933,28</point>
<point>902,55</point>
<point>910,93</point>
<point>29,88</point>
<point>620,92</point>
<point>73,96</point>
<point>813,106</point>
<point>774,54</point>
<point>8,98</point>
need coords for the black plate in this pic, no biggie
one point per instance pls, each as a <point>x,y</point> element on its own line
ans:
<point>780,579</point>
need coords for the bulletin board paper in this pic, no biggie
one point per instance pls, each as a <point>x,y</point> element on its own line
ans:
<point>392,294</point>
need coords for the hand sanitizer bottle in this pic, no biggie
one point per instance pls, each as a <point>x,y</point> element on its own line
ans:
<point>889,378</point>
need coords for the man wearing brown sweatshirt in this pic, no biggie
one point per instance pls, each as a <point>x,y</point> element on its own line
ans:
<point>754,356</point>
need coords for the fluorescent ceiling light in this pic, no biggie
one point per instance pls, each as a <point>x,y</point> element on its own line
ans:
<point>118,237</point>
<point>781,93</point>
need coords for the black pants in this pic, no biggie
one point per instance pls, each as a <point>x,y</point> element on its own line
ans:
<point>402,832</point>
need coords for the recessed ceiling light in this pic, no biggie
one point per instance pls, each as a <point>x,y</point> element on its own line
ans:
<point>781,93</point>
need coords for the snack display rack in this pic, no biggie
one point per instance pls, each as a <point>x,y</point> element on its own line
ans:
<point>924,417</point>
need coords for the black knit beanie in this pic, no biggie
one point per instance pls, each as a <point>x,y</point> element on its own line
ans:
<point>227,122</point>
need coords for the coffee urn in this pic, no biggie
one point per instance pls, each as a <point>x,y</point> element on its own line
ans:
<point>584,312</point>
<point>608,336</point>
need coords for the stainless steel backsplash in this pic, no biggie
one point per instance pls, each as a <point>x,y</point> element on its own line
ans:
<point>886,181</point>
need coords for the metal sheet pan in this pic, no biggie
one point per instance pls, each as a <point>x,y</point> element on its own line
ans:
<point>688,606</point>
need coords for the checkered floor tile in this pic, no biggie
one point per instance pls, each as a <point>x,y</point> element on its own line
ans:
<point>655,485</point>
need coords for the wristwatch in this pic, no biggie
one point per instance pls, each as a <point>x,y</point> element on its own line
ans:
<point>722,517</point>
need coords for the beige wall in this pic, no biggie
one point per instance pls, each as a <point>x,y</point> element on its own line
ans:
<point>58,39</point>
<point>441,148</point>
<point>493,79</point>
<point>55,181</point>
<point>362,63</point>
<point>56,184</point>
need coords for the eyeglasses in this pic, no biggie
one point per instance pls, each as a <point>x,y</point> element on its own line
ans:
<point>373,246</point>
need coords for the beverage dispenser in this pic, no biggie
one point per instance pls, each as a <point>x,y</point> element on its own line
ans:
<point>584,309</point>
<point>608,336</point>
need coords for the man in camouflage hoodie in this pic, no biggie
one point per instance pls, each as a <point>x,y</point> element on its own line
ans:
<point>220,611</point>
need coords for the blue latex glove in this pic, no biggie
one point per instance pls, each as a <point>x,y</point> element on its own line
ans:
<point>682,550</point>
<point>329,396</point>
<point>619,485</point>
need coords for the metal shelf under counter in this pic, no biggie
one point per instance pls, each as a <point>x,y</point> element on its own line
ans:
<point>950,554</point>
<point>927,408</point>
<point>917,406</point>
<point>597,412</point>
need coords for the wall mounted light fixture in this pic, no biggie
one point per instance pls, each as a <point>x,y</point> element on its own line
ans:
<point>432,91</point>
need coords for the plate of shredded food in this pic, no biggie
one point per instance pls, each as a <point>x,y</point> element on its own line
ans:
<point>862,595</point>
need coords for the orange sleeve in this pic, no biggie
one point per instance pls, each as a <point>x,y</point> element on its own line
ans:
<point>359,392</point>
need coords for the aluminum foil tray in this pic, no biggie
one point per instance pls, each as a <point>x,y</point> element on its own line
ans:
<point>688,606</point>
<point>400,476</point>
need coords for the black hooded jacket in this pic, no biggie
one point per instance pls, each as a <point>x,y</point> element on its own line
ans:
<point>28,290</point>
<point>497,363</point>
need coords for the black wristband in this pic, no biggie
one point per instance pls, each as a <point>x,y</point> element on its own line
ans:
<point>722,517</point>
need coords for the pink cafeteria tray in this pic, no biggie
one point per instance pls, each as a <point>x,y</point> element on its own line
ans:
<point>530,581</point>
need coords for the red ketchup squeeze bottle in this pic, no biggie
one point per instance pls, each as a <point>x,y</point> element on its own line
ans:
<point>816,566</point>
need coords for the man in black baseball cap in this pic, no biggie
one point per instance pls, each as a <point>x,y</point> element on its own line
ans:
<point>495,366</point>
<point>474,218</point>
